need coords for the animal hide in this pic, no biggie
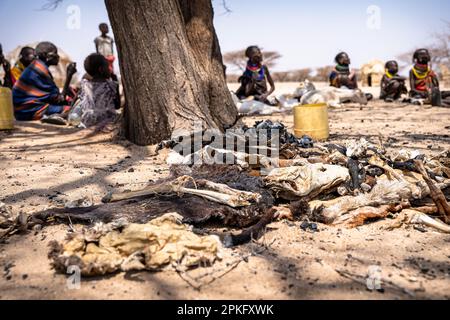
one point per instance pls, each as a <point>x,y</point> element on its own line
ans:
<point>360,216</point>
<point>310,180</point>
<point>383,193</point>
<point>153,246</point>
<point>333,97</point>
<point>195,209</point>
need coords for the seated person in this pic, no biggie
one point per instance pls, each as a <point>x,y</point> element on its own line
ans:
<point>7,68</point>
<point>254,80</point>
<point>424,81</point>
<point>99,96</point>
<point>26,57</point>
<point>342,76</point>
<point>392,85</point>
<point>35,94</point>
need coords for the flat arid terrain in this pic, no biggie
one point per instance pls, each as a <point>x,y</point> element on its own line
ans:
<point>42,166</point>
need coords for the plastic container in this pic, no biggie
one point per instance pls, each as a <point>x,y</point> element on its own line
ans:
<point>312,120</point>
<point>75,114</point>
<point>6,109</point>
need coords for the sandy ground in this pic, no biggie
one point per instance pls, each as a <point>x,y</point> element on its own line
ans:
<point>42,166</point>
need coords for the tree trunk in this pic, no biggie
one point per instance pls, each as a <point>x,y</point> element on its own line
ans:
<point>171,67</point>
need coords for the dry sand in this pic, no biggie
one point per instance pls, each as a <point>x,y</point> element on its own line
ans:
<point>41,165</point>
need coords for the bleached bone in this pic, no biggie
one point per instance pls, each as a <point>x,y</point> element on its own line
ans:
<point>390,172</point>
<point>410,216</point>
<point>223,194</point>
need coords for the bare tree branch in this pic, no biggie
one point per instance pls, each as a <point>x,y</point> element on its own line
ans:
<point>440,50</point>
<point>226,7</point>
<point>238,60</point>
<point>51,5</point>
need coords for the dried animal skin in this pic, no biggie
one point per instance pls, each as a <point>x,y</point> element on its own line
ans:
<point>419,187</point>
<point>221,193</point>
<point>385,192</point>
<point>359,216</point>
<point>357,148</point>
<point>153,246</point>
<point>310,180</point>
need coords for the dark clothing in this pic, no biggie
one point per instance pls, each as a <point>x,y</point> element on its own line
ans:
<point>392,87</point>
<point>445,98</point>
<point>253,83</point>
<point>35,94</point>
<point>340,77</point>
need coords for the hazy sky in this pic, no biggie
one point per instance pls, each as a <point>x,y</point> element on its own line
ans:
<point>306,33</point>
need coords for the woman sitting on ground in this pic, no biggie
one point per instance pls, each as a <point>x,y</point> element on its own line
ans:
<point>36,95</point>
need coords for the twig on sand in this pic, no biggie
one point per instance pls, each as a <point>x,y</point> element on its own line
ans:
<point>197,285</point>
<point>363,281</point>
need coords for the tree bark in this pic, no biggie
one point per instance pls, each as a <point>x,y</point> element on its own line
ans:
<point>172,68</point>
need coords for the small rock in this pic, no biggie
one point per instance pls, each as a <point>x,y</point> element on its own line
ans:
<point>131,170</point>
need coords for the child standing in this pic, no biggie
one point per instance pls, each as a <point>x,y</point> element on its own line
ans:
<point>104,45</point>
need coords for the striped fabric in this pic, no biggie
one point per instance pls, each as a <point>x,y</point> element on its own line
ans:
<point>34,92</point>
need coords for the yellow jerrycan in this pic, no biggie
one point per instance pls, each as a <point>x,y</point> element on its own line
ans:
<point>312,120</point>
<point>6,109</point>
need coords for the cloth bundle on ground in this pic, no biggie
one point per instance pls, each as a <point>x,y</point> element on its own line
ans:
<point>36,94</point>
<point>307,93</point>
<point>163,242</point>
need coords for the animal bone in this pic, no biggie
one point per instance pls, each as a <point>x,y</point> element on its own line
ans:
<point>221,194</point>
<point>391,173</point>
<point>409,216</point>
